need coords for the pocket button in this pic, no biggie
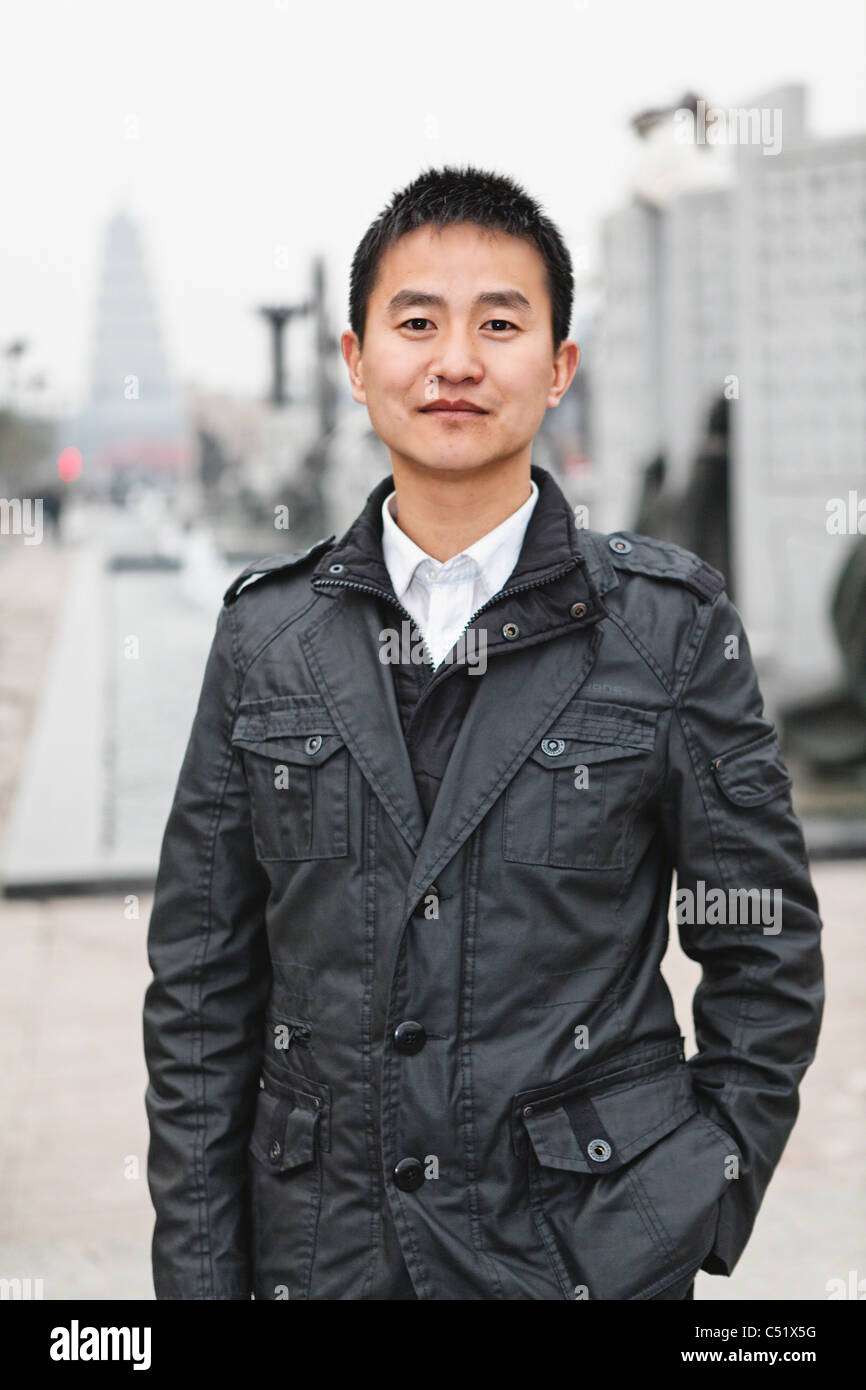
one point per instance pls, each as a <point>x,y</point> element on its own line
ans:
<point>599,1150</point>
<point>553,746</point>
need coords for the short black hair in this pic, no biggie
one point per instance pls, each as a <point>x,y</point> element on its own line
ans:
<point>440,197</point>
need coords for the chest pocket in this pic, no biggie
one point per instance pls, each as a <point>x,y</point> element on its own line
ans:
<point>570,804</point>
<point>297,768</point>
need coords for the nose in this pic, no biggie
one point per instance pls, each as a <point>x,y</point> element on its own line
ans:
<point>457,357</point>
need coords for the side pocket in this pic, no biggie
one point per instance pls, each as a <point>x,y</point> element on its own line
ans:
<point>625,1178</point>
<point>286,1187</point>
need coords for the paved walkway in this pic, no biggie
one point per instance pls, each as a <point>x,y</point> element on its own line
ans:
<point>122,679</point>
<point>33,580</point>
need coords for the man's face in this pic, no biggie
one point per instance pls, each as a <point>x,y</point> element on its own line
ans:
<point>459,314</point>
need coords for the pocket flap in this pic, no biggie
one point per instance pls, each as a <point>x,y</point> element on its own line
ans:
<point>291,728</point>
<point>598,1126</point>
<point>284,1132</point>
<point>753,774</point>
<point>281,1080</point>
<point>590,731</point>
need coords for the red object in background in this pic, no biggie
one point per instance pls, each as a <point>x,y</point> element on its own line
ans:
<point>69,464</point>
<point>577,465</point>
<point>144,456</point>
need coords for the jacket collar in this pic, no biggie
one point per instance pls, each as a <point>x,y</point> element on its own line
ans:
<point>551,549</point>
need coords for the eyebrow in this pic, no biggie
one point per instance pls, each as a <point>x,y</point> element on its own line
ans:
<point>493,299</point>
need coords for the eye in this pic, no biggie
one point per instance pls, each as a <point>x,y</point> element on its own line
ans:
<point>415,323</point>
<point>504,322</point>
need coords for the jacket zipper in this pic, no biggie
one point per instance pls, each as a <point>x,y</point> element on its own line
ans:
<point>299,1032</point>
<point>371,589</point>
<point>531,1100</point>
<point>395,603</point>
<point>298,1029</point>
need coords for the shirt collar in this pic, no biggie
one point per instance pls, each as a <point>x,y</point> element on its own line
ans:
<point>495,553</point>
<point>551,541</point>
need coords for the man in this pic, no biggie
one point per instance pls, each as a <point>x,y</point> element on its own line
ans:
<point>407,1036</point>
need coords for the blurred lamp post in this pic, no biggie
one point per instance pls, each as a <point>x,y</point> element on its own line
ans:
<point>13,353</point>
<point>278,315</point>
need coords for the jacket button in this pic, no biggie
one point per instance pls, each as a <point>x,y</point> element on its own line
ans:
<point>510,631</point>
<point>313,743</point>
<point>599,1150</point>
<point>410,1036</point>
<point>578,610</point>
<point>275,1151</point>
<point>620,545</point>
<point>409,1174</point>
<point>553,746</point>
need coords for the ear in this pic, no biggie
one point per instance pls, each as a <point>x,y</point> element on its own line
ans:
<point>564,367</point>
<point>351,349</point>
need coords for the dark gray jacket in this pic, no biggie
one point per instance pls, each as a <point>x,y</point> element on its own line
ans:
<point>460,1023</point>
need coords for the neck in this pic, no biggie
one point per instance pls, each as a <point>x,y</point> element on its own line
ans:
<point>444,511</point>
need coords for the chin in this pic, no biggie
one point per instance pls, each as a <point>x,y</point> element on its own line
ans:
<point>452,462</point>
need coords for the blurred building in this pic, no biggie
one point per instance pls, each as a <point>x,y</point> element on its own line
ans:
<point>799,441</point>
<point>738,273</point>
<point>133,425</point>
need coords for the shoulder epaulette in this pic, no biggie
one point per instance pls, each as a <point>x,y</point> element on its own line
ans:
<point>271,564</point>
<point>639,554</point>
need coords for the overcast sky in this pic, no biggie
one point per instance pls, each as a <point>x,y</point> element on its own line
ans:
<point>230,128</point>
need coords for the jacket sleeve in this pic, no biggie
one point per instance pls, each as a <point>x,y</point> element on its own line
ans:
<point>730,825</point>
<point>203,1009</point>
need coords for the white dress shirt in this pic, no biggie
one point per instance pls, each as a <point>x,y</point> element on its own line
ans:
<point>441,595</point>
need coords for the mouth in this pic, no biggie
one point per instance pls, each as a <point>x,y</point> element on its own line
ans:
<point>452,408</point>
